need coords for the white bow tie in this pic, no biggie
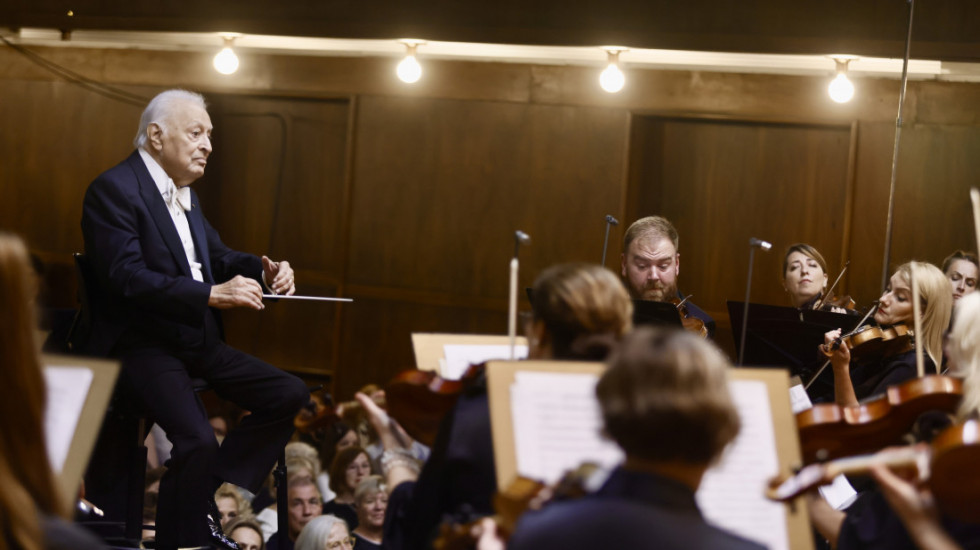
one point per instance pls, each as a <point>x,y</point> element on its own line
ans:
<point>180,196</point>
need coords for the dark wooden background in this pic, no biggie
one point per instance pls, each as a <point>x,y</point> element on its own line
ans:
<point>406,198</point>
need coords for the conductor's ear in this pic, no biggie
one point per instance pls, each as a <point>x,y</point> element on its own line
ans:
<point>154,136</point>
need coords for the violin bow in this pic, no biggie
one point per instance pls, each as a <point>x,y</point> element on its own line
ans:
<point>898,138</point>
<point>975,198</point>
<point>917,322</point>
<point>831,289</point>
<point>610,221</point>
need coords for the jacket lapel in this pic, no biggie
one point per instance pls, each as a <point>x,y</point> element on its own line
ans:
<point>196,221</point>
<point>158,210</point>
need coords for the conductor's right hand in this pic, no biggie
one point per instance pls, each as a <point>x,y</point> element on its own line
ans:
<point>238,292</point>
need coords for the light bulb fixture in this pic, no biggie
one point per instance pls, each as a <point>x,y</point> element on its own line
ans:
<point>612,79</point>
<point>409,71</point>
<point>225,61</point>
<point>841,89</point>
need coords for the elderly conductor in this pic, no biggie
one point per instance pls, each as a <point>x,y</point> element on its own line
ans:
<point>164,272</point>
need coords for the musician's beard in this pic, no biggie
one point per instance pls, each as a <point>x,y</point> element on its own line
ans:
<point>655,291</point>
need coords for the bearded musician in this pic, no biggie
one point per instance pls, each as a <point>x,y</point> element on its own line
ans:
<point>651,265</point>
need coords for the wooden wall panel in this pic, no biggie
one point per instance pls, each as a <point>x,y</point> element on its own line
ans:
<point>937,165</point>
<point>376,339</point>
<point>442,186</point>
<point>276,185</point>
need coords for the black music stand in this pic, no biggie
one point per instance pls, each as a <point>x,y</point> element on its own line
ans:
<point>645,312</point>
<point>787,337</point>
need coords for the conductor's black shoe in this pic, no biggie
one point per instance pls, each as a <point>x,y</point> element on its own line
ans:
<point>218,537</point>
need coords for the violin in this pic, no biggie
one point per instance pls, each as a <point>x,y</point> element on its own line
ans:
<point>947,466</point>
<point>420,399</point>
<point>691,324</point>
<point>830,431</point>
<point>870,341</point>
<point>831,302</point>
<point>522,495</point>
<point>316,417</point>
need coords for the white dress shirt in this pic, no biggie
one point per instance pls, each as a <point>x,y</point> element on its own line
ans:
<point>166,187</point>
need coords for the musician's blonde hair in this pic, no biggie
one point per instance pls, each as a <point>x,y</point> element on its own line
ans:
<point>936,296</point>
<point>26,480</point>
<point>964,352</point>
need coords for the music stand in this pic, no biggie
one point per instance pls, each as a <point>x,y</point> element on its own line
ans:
<point>645,312</point>
<point>784,337</point>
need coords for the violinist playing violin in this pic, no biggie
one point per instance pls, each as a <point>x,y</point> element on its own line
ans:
<point>805,279</point>
<point>900,514</point>
<point>857,380</point>
<point>651,264</point>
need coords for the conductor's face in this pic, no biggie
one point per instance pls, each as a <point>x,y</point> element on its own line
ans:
<point>182,142</point>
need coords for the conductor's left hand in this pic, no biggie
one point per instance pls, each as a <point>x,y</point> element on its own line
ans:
<point>279,276</point>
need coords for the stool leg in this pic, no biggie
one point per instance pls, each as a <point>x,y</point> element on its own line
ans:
<point>282,494</point>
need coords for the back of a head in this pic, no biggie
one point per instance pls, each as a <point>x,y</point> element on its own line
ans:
<point>964,351</point>
<point>159,108</point>
<point>584,308</point>
<point>26,481</point>
<point>665,398</point>
<point>315,534</point>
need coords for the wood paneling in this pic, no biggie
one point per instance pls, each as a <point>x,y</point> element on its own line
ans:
<point>442,185</point>
<point>276,186</point>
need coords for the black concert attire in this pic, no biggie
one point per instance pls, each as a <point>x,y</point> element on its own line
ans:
<point>153,315</point>
<point>362,543</point>
<point>345,512</point>
<point>279,541</point>
<point>870,524</point>
<point>459,477</point>
<point>872,378</point>
<point>631,510</point>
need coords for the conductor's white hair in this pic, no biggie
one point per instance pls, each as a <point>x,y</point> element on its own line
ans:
<point>315,534</point>
<point>159,110</point>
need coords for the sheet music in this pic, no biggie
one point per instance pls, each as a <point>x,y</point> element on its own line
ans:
<point>799,401</point>
<point>731,493</point>
<point>67,389</point>
<point>557,424</point>
<point>459,357</point>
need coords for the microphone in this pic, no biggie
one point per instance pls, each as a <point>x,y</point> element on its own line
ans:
<point>520,238</point>
<point>753,244</point>
<point>610,221</point>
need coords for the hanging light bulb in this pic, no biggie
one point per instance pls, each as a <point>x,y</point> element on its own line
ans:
<point>841,89</point>
<point>612,79</point>
<point>226,62</point>
<point>409,71</point>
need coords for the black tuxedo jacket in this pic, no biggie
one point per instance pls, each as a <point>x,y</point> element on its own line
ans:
<point>145,292</point>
